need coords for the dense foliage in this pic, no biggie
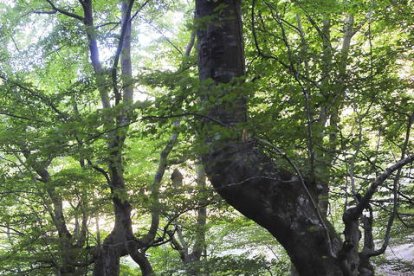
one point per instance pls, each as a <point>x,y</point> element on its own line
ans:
<point>83,139</point>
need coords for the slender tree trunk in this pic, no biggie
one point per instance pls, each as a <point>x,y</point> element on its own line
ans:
<point>200,237</point>
<point>68,243</point>
<point>324,157</point>
<point>193,259</point>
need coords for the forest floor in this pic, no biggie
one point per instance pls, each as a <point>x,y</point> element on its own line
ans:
<point>398,260</point>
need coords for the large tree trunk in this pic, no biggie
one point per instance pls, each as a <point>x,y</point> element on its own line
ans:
<point>277,200</point>
<point>107,262</point>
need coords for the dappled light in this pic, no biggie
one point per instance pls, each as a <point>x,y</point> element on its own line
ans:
<point>160,137</point>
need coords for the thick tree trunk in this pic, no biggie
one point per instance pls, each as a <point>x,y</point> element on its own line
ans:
<point>252,184</point>
<point>107,262</point>
<point>246,178</point>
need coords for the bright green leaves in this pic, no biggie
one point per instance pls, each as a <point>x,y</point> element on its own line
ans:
<point>357,108</point>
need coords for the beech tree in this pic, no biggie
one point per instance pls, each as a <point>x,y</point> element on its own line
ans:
<point>300,116</point>
<point>286,204</point>
<point>114,84</point>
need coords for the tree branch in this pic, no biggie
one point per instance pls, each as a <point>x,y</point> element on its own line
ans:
<point>65,12</point>
<point>355,212</point>
<point>139,10</point>
<point>124,28</point>
<point>155,187</point>
<point>395,191</point>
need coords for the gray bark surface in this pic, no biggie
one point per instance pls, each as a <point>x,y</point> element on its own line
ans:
<point>246,178</point>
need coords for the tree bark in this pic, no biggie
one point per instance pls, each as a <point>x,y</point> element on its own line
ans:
<point>246,178</point>
<point>121,241</point>
<point>283,203</point>
<point>107,262</point>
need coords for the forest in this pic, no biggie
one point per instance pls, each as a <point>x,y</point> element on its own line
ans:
<point>207,137</point>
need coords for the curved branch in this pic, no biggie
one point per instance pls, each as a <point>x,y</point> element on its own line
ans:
<point>395,191</point>
<point>64,12</point>
<point>155,187</point>
<point>355,212</point>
